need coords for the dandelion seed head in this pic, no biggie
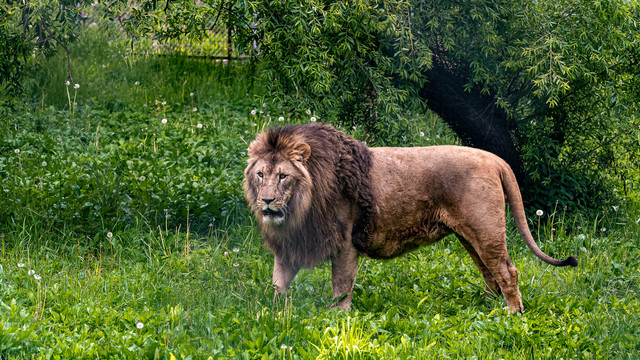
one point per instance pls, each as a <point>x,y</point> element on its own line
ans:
<point>191,94</point>
<point>164,121</point>
<point>195,109</point>
<point>199,126</point>
<point>539,212</point>
<point>76,86</point>
<point>253,112</point>
<point>67,83</point>
<point>139,325</point>
<point>137,83</point>
<point>44,163</point>
<point>281,118</point>
<point>235,250</point>
<point>142,178</point>
<point>421,134</point>
<point>226,253</point>
<point>109,234</point>
<point>17,151</point>
<point>313,119</point>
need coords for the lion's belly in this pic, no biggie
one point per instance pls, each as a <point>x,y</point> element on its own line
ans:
<point>394,241</point>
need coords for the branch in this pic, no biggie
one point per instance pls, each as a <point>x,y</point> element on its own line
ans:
<point>53,37</point>
<point>166,7</point>
<point>218,15</point>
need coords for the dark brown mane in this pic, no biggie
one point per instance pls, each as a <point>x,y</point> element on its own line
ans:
<point>339,168</point>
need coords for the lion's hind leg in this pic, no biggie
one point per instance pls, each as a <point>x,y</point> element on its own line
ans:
<point>491,252</point>
<point>490,282</point>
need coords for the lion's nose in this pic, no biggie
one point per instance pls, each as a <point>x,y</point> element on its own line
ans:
<point>267,200</point>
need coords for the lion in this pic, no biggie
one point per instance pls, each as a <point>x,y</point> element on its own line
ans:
<point>319,194</point>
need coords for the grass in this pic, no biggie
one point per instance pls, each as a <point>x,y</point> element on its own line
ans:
<point>143,247</point>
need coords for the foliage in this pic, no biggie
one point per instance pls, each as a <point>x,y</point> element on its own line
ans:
<point>119,282</point>
<point>565,72</point>
<point>352,59</point>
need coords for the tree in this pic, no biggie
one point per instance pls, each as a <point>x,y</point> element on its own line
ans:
<point>551,86</point>
<point>32,30</point>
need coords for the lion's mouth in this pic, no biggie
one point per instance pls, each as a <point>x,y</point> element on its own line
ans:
<point>273,213</point>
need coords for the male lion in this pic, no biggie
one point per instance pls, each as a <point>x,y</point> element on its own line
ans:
<point>319,194</point>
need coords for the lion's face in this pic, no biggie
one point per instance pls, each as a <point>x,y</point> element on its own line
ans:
<point>278,187</point>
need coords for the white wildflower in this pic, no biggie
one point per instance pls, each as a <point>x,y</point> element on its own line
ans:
<point>37,277</point>
<point>199,126</point>
<point>164,121</point>
<point>76,86</point>
<point>235,250</point>
<point>421,134</point>
<point>31,272</point>
<point>109,234</point>
<point>67,83</point>
<point>139,325</point>
<point>253,112</point>
<point>137,83</point>
<point>17,151</point>
<point>21,265</point>
<point>281,118</point>
<point>195,109</point>
<point>313,119</point>
<point>539,212</point>
<point>44,163</point>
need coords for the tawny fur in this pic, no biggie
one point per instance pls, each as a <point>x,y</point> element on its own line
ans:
<point>319,194</point>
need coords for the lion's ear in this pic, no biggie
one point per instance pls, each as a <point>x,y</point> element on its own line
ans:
<point>256,147</point>
<point>300,153</point>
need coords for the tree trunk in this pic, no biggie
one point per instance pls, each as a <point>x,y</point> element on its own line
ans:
<point>473,116</point>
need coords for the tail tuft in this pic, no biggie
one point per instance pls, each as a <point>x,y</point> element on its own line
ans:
<point>571,261</point>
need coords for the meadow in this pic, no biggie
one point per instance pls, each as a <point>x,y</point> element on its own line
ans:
<point>124,234</point>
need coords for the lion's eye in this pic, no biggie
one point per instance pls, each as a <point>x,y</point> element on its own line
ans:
<point>260,174</point>
<point>282,176</point>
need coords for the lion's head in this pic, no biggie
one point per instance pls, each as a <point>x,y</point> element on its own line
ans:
<point>277,183</point>
<point>296,180</point>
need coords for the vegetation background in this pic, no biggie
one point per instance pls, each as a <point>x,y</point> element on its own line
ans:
<point>125,234</point>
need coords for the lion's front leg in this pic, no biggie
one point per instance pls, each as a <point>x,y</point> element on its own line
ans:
<point>283,274</point>
<point>344,267</point>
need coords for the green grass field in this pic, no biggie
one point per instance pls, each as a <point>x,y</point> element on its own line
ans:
<point>126,236</point>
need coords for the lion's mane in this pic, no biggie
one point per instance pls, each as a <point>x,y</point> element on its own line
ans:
<point>339,169</point>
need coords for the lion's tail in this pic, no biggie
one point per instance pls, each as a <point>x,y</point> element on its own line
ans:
<point>514,198</point>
